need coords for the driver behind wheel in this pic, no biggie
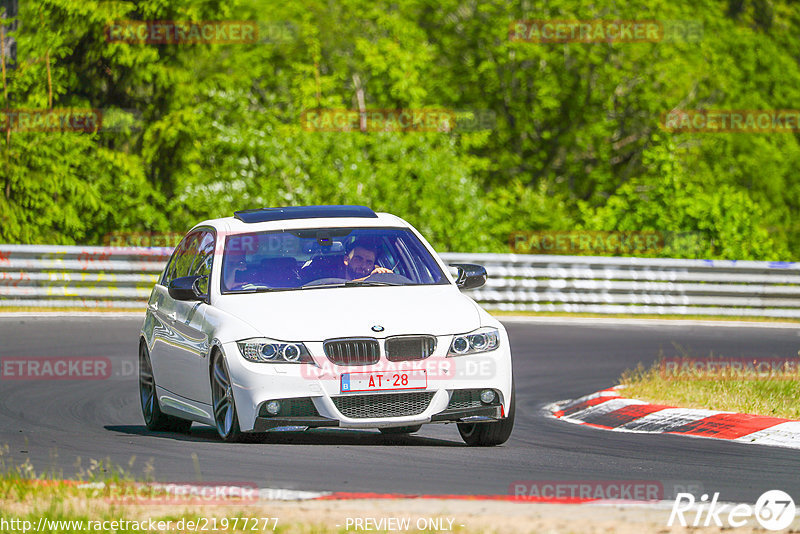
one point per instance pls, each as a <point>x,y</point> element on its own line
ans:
<point>359,262</point>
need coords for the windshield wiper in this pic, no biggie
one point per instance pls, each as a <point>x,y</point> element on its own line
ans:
<point>262,289</point>
<point>314,286</point>
<point>351,283</point>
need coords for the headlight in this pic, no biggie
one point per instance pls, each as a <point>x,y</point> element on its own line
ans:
<point>262,350</point>
<point>482,340</point>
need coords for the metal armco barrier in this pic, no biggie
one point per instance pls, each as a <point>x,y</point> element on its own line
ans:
<point>84,277</point>
<point>608,285</point>
<point>122,277</point>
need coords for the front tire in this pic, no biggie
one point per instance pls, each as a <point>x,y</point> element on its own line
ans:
<point>154,418</point>
<point>225,417</point>
<point>489,434</point>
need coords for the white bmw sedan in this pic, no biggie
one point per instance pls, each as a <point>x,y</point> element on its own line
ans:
<point>320,316</point>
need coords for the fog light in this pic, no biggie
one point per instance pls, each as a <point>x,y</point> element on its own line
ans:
<point>487,396</point>
<point>273,407</point>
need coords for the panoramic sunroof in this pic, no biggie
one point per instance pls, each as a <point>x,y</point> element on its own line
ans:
<point>302,212</point>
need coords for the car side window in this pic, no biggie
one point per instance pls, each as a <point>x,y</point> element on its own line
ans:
<point>204,259</point>
<point>411,250</point>
<point>182,258</point>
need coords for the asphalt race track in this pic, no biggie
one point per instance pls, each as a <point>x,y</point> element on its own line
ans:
<point>55,422</point>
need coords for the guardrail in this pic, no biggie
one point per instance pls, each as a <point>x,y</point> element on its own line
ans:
<point>122,277</point>
<point>83,277</point>
<point>590,284</point>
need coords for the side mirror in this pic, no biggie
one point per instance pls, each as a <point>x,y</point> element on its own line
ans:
<point>187,288</point>
<point>469,276</point>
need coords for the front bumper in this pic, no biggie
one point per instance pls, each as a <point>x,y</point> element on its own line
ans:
<point>470,415</point>
<point>254,384</point>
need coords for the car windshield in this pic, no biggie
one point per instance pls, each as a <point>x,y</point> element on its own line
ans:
<point>326,257</point>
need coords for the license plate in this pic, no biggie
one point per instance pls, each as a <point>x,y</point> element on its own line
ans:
<point>384,381</point>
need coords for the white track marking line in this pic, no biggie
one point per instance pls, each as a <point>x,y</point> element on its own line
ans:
<point>781,435</point>
<point>657,422</point>
<point>600,409</point>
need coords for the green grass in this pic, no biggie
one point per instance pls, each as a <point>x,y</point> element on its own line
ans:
<point>97,495</point>
<point>772,397</point>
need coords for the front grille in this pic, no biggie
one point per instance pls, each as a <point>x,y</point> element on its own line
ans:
<point>465,398</point>
<point>383,405</point>
<point>353,351</point>
<point>403,348</point>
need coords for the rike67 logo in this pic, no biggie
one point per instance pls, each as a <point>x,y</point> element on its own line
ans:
<point>774,510</point>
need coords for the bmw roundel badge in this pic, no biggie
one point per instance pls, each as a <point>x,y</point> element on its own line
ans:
<point>377,328</point>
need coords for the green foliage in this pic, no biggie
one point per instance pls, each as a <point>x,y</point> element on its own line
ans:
<point>699,222</point>
<point>577,143</point>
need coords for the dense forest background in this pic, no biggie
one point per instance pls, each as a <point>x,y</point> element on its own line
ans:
<point>204,129</point>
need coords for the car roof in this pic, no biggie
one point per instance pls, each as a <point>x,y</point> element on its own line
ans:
<point>309,219</point>
<point>302,212</point>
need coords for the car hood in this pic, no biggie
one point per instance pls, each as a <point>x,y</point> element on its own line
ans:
<point>320,314</point>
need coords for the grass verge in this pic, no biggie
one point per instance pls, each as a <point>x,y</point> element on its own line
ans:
<point>43,502</point>
<point>107,498</point>
<point>775,397</point>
